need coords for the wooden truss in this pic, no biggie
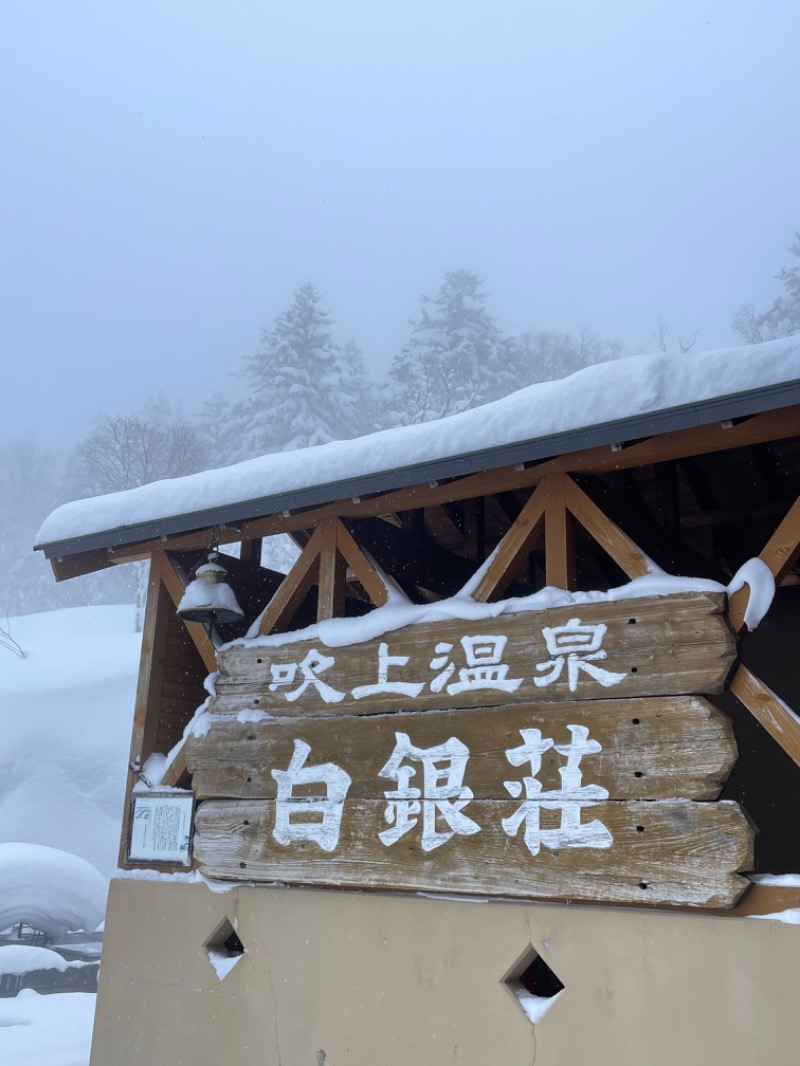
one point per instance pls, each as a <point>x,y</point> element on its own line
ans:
<point>544,515</point>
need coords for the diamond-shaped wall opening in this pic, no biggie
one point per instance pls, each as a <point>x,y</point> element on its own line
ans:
<point>224,948</point>
<point>534,984</point>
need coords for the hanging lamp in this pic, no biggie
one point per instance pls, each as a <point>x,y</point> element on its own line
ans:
<point>209,598</point>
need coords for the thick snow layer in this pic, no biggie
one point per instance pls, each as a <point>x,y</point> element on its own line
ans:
<point>49,889</point>
<point>25,958</point>
<point>51,1030</point>
<point>65,726</point>
<point>338,632</point>
<point>638,385</point>
<point>761,585</point>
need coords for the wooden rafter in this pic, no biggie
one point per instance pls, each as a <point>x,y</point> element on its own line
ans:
<point>295,586</point>
<point>781,724</point>
<point>371,581</point>
<point>628,557</point>
<point>550,510</point>
<point>631,518</point>
<point>331,548</point>
<point>517,542</point>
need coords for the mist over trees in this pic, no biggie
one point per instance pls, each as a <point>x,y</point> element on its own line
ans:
<point>780,320</point>
<point>303,385</point>
<point>455,358</point>
<point>303,388</point>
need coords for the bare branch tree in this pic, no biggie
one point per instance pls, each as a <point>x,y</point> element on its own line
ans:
<point>127,451</point>
<point>660,334</point>
<point>686,345</point>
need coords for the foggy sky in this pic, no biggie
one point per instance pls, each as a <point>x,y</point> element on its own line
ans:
<point>172,170</point>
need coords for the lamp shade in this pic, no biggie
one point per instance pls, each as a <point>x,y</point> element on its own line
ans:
<point>209,598</point>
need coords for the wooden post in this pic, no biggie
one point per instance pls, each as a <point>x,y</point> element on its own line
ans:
<point>559,537</point>
<point>330,603</point>
<point>148,689</point>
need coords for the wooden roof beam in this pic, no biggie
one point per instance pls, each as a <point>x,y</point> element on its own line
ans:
<point>770,426</point>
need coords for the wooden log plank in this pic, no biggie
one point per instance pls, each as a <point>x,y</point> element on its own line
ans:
<point>670,852</point>
<point>608,535</point>
<point>559,536</point>
<point>517,542</point>
<point>781,724</point>
<point>655,646</point>
<point>650,748</point>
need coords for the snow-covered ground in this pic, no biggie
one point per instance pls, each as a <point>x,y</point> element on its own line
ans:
<point>46,1030</point>
<point>65,722</point>
<point>65,726</point>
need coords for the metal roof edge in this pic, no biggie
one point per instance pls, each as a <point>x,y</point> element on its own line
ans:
<point>720,408</point>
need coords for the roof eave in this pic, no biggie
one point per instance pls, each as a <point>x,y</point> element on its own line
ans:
<point>719,409</point>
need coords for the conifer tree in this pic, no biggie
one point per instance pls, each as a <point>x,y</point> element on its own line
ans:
<point>456,357</point>
<point>783,318</point>
<point>303,389</point>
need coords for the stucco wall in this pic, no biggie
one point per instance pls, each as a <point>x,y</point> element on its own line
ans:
<point>374,980</point>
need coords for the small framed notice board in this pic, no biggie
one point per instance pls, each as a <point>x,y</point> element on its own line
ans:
<point>160,827</point>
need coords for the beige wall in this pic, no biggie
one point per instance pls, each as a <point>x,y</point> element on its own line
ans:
<point>376,980</point>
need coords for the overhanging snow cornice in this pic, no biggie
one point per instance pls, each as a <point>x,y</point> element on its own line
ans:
<point>719,409</point>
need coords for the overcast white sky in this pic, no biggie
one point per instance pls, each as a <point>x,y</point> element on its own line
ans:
<point>172,170</point>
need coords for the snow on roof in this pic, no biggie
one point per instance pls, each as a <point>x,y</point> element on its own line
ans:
<point>601,397</point>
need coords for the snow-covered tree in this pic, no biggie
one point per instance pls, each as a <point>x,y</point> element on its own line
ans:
<point>216,426</point>
<point>783,318</point>
<point>303,388</point>
<point>456,357</point>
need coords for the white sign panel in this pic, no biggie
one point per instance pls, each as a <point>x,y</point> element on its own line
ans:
<point>161,827</point>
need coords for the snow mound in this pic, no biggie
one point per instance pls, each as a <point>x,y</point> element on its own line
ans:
<point>50,890</point>
<point>20,959</point>
<point>65,726</point>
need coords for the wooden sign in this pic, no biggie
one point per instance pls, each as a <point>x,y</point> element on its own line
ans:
<point>574,801</point>
<point>544,754</point>
<point>660,645</point>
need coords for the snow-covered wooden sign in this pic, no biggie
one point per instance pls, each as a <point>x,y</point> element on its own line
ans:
<point>658,645</point>
<point>545,754</point>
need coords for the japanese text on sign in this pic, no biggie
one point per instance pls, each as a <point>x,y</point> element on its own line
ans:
<point>574,651</point>
<point>432,803</point>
